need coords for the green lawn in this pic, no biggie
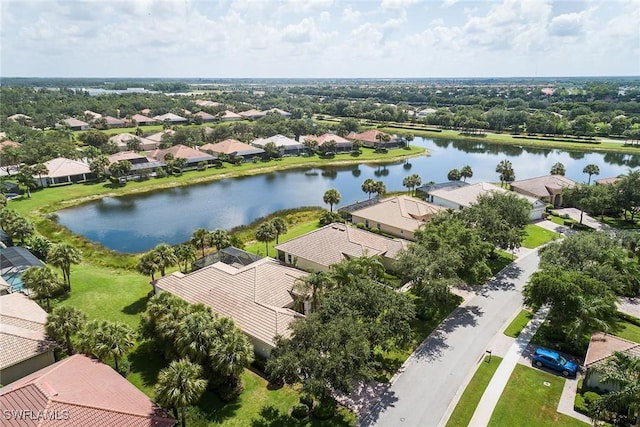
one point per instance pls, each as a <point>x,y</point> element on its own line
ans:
<point>536,236</point>
<point>526,401</point>
<point>473,393</point>
<point>294,230</point>
<point>500,261</point>
<point>518,324</point>
<point>628,331</point>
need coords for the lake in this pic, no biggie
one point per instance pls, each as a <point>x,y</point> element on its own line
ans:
<point>137,223</point>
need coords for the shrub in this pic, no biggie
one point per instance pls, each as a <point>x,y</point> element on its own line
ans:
<point>590,397</point>
<point>329,217</point>
<point>579,404</point>
<point>124,366</point>
<point>300,411</point>
<point>161,173</point>
<point>325,410</point>
<point>360,225</point>
<point>375,230</point>
<point>307,400</point>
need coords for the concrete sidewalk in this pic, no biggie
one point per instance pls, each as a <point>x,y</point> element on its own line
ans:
<point>492,393</point>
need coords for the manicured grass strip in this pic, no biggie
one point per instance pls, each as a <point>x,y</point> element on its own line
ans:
<point>526,401</point>
<point>536,236</point>
<point>518,324</point>
<point>628,331</point>
<point>473,393</point>
<point>500,261</point>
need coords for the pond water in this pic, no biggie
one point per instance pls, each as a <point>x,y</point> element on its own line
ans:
<point>138,223</point>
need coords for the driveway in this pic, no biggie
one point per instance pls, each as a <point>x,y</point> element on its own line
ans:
<point>420,394</point>
<point>586,219</point>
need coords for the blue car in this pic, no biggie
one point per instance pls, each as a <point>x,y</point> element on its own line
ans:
<point>553,360</point>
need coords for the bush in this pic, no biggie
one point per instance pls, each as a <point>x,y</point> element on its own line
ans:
<point>590,397</point>
<point>300,411</point>
<point>124,366</point>
<point>307,400</point>
<point>579,404</point>
<point>375,230</point>
<point>329,217</point>
<point>161,173</point>
<point>360,225</point>
<point>325,410</point>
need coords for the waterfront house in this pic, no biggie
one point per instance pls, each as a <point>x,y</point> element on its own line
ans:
<point>64,171</point>
<point>342,144</point>
<point>286,145</point>
<point>233,148</point>
<point>230,116</point>
<point>547,188</point>
<point>192,155</point>
<point>171,118</point>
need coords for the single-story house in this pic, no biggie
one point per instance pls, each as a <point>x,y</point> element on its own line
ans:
<point>206,117</point>
<point>14,261</point>
<point>283,113</point>
<point>121,141</point>
<point>287,146</point>
<point>230,116</point>
<point>145,111</point>
<point>80,391</point>
<point>252,114</point>
<point>463,196</point>
<point>233,148</point>
<point>399,216</point>
<point>140,165</point>
<point>370,139</point>
<point>19,117</point>
<point>157,137</point>
<point>192,155</point>
<point>601,347</point>
<point>319,249</point>
<point>115,122</point>
<point>174,119</point>
<point>63,171</point>
<point>23,338</point>
<point>607,181</point>
<point>92,115</point>
<point>142,120</point>
<point>342,144</point>
<point>423,191</point>
<point>206,103</point>
<point>75,124</point>
<point>547,188</point>
<point>257,297</point>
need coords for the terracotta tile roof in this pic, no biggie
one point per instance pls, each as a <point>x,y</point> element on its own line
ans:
<point>139,118</point>
<point>255,296</point>
<point>22,331</point>
<point>543,186</point>
<point>113,121</point>
<point>231,115</point>
<point>602,346</point>
<point>604,181</point>
<point>403,212</point>
<point>183,151</point>
<point>229,146</point>
<point>72,122</point>
<point>366,136</point>
<point>327,137</point>
<point>85,392</point>
<point>334,242</point>
<point>170,117</point>
<point>252,114</point>
<point>61,167</point>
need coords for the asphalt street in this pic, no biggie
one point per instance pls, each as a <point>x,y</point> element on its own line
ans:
<point>421,393</point>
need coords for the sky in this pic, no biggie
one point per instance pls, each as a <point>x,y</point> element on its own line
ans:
<point>319,38</point>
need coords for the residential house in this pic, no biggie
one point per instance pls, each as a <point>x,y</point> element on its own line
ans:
<point>92,115</point>
<point>547,188</point>
<point>14,261</point>
<point>192,155</point>
<point>287,146</point>
<point>145,111</point>
<point>607,181</point>
<point>423,191</point>
<point>122,140</point>
<point>321,248</point>
<point>230,116</point>
<point>371,139</point>
<point>463,196</point>
<point>206,117</point>
<point>158,137</point>
<point>114,122</point>
<point>283,113</point>
<point>19,118</point>
<point>399,216</point>
<point>601,347</point>
<point>140,165</point>
<point>171,118</point>
<point>257,297</point>
<point>23,338</point>
<point>233,148</point>
<point>342,144</point>
<point>252,114</point>
<point>75,124</point>
<point>79,391</point>
<point>64,171</point>
<point>142,120</point>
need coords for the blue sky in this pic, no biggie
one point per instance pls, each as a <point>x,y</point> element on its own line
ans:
<point>319,38</point>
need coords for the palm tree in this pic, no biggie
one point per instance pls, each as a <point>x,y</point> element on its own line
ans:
<point>180,385</point>
<point>200,239</point>
<point>622,370</point>
<point>63,322</point>
<point>164,257</point>
<point>382,138</point>
<point>411,182</point>
<point>280,226</point>
<point>63,255</point>
<point>368,186</point>
<point>558,169</point>
<point>331,197</point>
<point>220,239</point>
<point>114,339</point>
<point>466,172</point>
<point>311,286</point>
<point>230,355</point>
<point>148,265</point>
<point>195,335</point>
<point>266,232</point>
<point>379,188</point>
<point>179,163</point>
<point>185,254</point>
<point>591,169</point>
<point>505,169</point>
<point>454,175</point>
<point>43,281</point>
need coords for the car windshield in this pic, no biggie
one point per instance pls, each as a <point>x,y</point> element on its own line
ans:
<point>562,360</point>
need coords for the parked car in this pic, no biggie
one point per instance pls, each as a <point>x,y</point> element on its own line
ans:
<point>554,360</point>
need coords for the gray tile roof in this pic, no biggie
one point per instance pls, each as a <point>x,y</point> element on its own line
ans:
<point>403,212</point>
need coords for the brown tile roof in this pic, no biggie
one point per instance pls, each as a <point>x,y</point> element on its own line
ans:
<point>125,155</point>
<point>231,115</point>
<point>22,331</point>
<point>403,212</point>
<point>334,242</point>
<point>254,296</point>
<point>327,137</point>
<point>205,115</point>
<point>142,119</point>
<point>61,167</point>
<point>366,136</point>
<point>611,180</point>
<point>229,146</point>
<point>113,121</point>
<point>252,113</point>
<point>602,346</point>
<point>170,117</point>
<point>85,392</point>
<point>181,151</point>
<point>75,122</point>
<point>543,186</point>
<point>157,137</point>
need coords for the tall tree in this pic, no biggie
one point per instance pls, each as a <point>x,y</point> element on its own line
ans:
<point>185,255</point>
<point>201,239</point>
<point>507,174</point>
<point>331,197</point>
<point>104,338</point>
<point>180,385</point>
<point>466,172</point>
<point>281,227</point>
<point>590,170</point>
<point>148,265</point>
<point>164,257</point>
<point>64,322</point>
<point>39,169</point>
<point>379,188</point>
<point>266,232</point>
<point>63,255</point>
<point>99,166</point>
<point>558,169</point>
<point>411,182</point>
<point>628,193</point>
<point>369,186</point>
<point>43,281</point>
<point>220,239</point>
<point>454,175</point>
<point>230,355</point>
<point>25,178</point>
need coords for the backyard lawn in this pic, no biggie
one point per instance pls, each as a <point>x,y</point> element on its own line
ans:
<point>536,236</point>
<point>628,331</point>
<point>527,400</point>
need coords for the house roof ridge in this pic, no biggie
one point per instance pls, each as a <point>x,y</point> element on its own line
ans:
<point>101,408</point>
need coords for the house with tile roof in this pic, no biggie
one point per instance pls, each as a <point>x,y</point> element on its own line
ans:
<point>122,140</point>
<point>142,120</point>
<point>252,114</point>
<point>91,115</point>
<point>158,137</point>
<point>283,113</point>
<point>457,198</point>
<point>233,148</point>
<point>607,181</point>
<point>399,216</point>
<point>547,188</point>
<point>333,243</point>
<point>206,117</point>
<point>141,166</point>
<point>114,122</point>
<point>64,171</point>
<point>75,124</point>
<point>287,146</point>
<point>230,116</point>
<point>257,297</point>
<point>192,155</point>
<point>174,119</point>
<point>601,347</point>
<point>19,117</point>
<point>370,138</point>
<point>23,338</point>
<point>342,144</point>
<point>79,391</point>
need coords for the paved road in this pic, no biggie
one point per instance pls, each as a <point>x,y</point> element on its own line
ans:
<point>420,395</point>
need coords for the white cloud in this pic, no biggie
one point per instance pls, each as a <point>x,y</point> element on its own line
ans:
<point>350,15</point>
<point>396,4</point>
<point>568,24</point>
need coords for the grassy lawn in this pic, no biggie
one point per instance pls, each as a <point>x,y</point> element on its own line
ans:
<point>518,324</point>
<point>473,393</point>
<point>628,331</point>
<point>500,261</point>
<point>536,236</point>
<point>297,224</point>
<point>527,401</point>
